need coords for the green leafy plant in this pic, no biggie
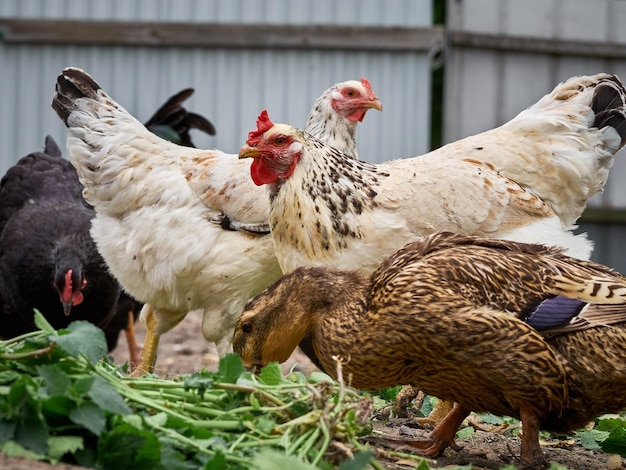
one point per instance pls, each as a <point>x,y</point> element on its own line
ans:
<point>60,399</point>
<point>608,435</point>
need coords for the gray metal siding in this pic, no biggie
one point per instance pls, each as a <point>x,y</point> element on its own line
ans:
<point>610,243</point>
<point>232,85</point>
<point>348,12</point>
<point>486,87</point>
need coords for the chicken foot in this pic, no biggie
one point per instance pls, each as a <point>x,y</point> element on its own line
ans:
<point>134,350</point>
<point>437,415</point>
<point>410,393</point>
<point>150,344</point>
<point>157,323</point>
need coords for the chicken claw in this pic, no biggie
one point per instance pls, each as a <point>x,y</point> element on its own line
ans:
<point>410,393</point>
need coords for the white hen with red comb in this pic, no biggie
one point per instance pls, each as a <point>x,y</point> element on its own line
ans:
<point>337,112</point>
<point>156,205</point>
<point>526,181</point>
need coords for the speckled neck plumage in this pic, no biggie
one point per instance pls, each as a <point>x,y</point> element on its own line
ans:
<point>326,125</point>
<point>320,199</point>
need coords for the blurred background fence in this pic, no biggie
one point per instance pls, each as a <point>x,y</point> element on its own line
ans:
<point>444,69</point>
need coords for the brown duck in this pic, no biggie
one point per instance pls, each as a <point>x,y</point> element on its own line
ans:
<point>495,326</point>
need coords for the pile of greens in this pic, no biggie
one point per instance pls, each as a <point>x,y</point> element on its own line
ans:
<point>62,400</point>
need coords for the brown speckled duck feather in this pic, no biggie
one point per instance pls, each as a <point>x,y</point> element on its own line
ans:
<point>496,326</point>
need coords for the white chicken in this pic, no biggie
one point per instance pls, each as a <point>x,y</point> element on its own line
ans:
<point>157,204</point>
<point>337,111</point>
<point>326,209</point>
<point>528,181</point>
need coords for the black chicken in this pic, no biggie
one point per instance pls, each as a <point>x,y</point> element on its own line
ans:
<point>48,259</point>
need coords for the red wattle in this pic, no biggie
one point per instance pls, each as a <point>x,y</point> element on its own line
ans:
<point>66,295</point>
<point>77,299</point>
<point>357,115</point>
<point>261,174</point>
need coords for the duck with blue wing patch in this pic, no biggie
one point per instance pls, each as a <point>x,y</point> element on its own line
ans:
<point>527,180</point>
<point>466,319</point>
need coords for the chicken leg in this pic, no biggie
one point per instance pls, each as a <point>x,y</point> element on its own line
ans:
<point>150,344</point>
<point>134,351</point>
<point>157,323</point>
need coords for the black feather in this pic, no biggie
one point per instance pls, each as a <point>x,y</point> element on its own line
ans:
<point>173,122</point>
<point>608,106</point>
<point>44,231</point>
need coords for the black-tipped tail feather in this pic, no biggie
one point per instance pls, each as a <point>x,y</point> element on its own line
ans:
<point>170,122</point>
<point>72,84</point>
<point>609,106</point>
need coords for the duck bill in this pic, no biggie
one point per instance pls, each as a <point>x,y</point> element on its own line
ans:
<point>253,368</point>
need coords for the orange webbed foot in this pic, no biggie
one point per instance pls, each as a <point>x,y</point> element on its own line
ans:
<point>443,434</point>
<point>434,446</point>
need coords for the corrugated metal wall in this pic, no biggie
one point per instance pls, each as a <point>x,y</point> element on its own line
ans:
<point>232,86</point>
<point>347,12</point>
<point>485,87</point>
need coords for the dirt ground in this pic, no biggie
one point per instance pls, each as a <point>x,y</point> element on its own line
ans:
<point>184,350</point>
<point>490,449</point>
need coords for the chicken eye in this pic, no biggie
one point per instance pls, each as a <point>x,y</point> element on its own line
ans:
<point>279,140</point>
<point>246,327</point>
<point>350,93</point>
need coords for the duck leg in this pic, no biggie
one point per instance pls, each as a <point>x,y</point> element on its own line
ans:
<point>531,457</point>
<point>443,434</point>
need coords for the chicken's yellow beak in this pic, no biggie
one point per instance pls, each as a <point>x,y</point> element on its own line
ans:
<point>373,104</point>
<point>248,152</point>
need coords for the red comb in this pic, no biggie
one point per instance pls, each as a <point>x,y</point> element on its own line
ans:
<point>263,124</point>
<point>366,84</point>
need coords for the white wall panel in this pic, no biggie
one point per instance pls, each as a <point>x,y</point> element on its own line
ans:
<point>485,88</point>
